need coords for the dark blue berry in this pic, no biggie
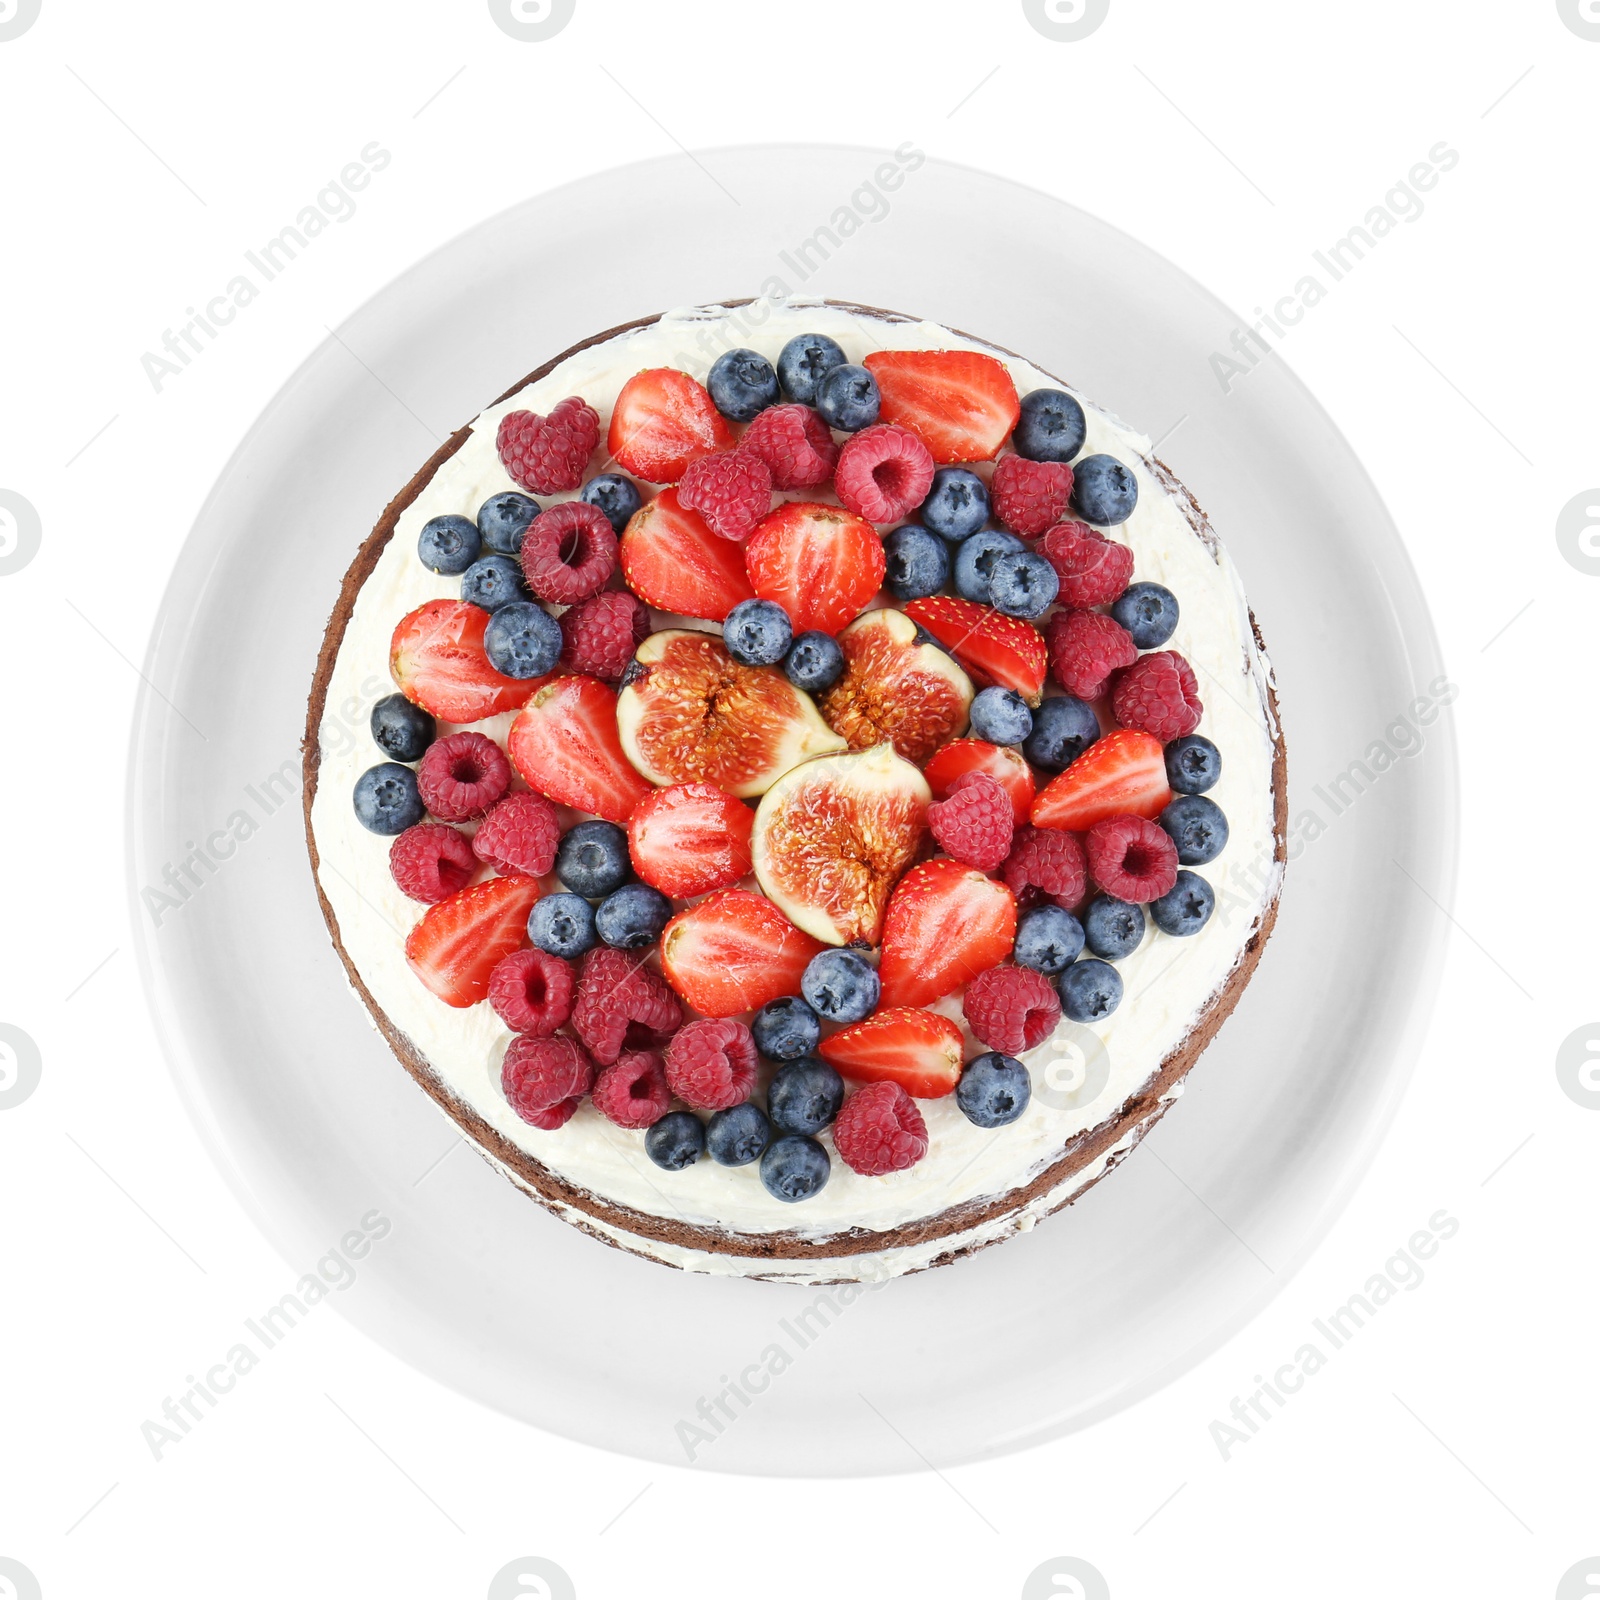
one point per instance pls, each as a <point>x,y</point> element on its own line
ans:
<point>1050,428</point>
<point>840,985</point>
<point>737,1135</point>
<point>632,917</point>
<point>677,1141</point>
<point>503,519</point>
<point>1193,764</point>
<point>1048,939</point>
<point>1104,491</point>
<point>957,504</point>
<point>915,563</point>
<point>1186,907</point>
<point>742,384</point>
<point>386,799</point>
<point>758,633</point>
<point>1063,728</point>
<point>804,1096</point>
<point>975,561</point>
<point>522,640</point>
<point>848,398</point>
<point>1022,584</point>
<point>786,1029</point>
<point>794,1168</point>
<point>1112,928</point>
<point>814,662</point>
<point>592,859</point>
<point>449,545</point>
<point>616,496</point>
<point>1001,716</point>
<point>1149,612</point>
<point>994,1090</point>
<point>492,582</point>
<point>562,924</point>
<point>400,729</point>
<point>804,362</point>
<point>1198,828</point>
<point>1090,991</point>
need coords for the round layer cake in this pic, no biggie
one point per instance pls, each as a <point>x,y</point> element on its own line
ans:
<point>859,808</point>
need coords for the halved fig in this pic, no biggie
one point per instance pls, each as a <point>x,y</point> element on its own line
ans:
<point>832,836</point>
<point>913,695</point>
<point>688,713</point>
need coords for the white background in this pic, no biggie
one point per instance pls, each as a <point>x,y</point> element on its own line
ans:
<point>1444,1449</point>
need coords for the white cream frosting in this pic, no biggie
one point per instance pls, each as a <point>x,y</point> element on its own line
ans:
<point>1081,1076</point>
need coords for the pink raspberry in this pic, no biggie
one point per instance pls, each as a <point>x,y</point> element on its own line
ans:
<point>632,1092</point>
<point>621,1004</point>
<point>1093,569</point>
<point>1029,495</point>
<point>430,862</point>
<point>569,552</point>
<point>547,455</point>
<point>879,1129</point>
<point>600,634</point>
<point>884,473</point>
<point>1160,694</point>
<point>539,1074</point>
<point>1049,859</point>
<point>731,490</point>
<point>711,1064</point>
<point>461,775</point>
<point>1132,859</point>
<point>520,834</point>
<point>1086,647</point>
<point>1011,1009</point>
<point>531,992</point>
<point>552,1117</point>
<point>974,822</point>
<point>796,445</point>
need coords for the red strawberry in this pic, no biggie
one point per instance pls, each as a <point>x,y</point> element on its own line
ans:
<point>674,562</point>
<point>946,923</point>
<point>459,942</point>
<point>1123,771</point>
<point>822,564</point>
<point>919,1050</point>
<point>950,765</point>
<point>661,422</point>
<point>992,647</point>
<point>690,839</point>
<point>436,656</point>
<point>564,743</point>
<point>960,403</point>
<point>734,952</point>
<point>731,490</point>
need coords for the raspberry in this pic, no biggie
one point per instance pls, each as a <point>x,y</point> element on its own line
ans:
<point>796,445</point>
<point>1086,647</point>
<point>1132,859</point>
<point>1093,569</point>
<point>600,634</point>
<point>519,834</point>
<point>569,552</point>
<point>1050,859</point>
<point>633,1090</point>
<point>731,490</point>
<point>462,775</point>
<point>552,1117</point>
<point>539,1074</point>
<point>548,454</point>
<point>430,862</point>
<point>621,1004</point>
<point>711,1064</point>
<point>974,822</point>
<point>1028,496</point>
<point>1160,694</point>
<point>879,1129</point>
<point>1011,1009</point>
<point>531,992</point>
<point>884,473</point>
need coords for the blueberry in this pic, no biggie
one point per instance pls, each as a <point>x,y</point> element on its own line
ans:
<point>840,985</point>
<point>916,563</point>
<point>1198,828</point>
<point>737,1135</point>
<point>1149,612</point>
<point>847,397</point>
<point>1104,491</point>
<point>492,582</point>
<point>1001,716</point>
<point>804,362</point>
<point>1193,763</point>
<point>522,640</point>
<point>1112,928</point>
<point>1050,428</point>
<point>975,561</point>
<point>758,633</point>
<point>1048,939</point>
<point>794,1168</point>
<point>449,545</point>
<point>957,504</point>
<point>994,1090</point>
<point>562,925</point>
<point>503,519</point>
<point>814,662</point>
<point>742,384</point>
<point>616,496</point>
<point>785,1030</point>
<point>400,729</point>
<point>632,917</point>
<point>592,859</point>
<point>1090,990</point>
<point>804,1096</point>
<point>1063,728</point>
<point>1186,907</point>
<point>676,1141</point>
<point>386,801</point>
<point>1022,584</point>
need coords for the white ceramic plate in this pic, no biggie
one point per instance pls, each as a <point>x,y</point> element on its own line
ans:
<point>315,1123</point>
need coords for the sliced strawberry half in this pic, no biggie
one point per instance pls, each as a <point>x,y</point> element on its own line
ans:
<point>734,952</point>
<point>951,764</point>
<point>674,562</point>
<point>946,923</point>
<point>993,647</point>
<point>690,839</point>
<point>919,1050</point>
<point>663,420</point>
<point>822,564</point>
<point>1122,772</point>
<point>960,403</point>
<point>460,941</point>
<point>564,743</point>
<point>436,656</point>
